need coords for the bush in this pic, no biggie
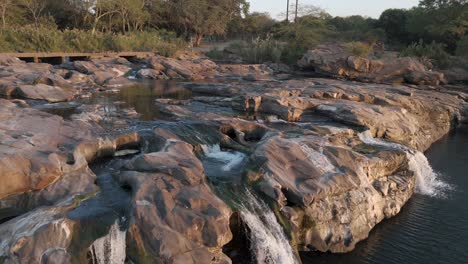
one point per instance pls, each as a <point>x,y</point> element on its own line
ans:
<point>258,50</point>
<point>46,39</point>
<point>360,49</point>
<point>434,53</point>
<point>216,54</point>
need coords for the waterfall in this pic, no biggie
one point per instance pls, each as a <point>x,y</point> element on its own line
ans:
<point>427,181</point>
<point>111,248</point>
<point>268,241</point>
<point>230,159</point>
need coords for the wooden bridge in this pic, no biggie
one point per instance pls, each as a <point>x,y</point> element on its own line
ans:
<point>61,57</point>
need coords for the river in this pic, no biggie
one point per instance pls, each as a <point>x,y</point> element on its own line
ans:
<point>429,229</point>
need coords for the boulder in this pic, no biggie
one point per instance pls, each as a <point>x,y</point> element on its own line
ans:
<point>323,191</point>
<point>148,74</point>
<point>85,67</point>
<point>7,87</point>
<point>53,80</point>
<point>177,218</point>
<point>337,60</point>
<point>44,92</point>
<point>44,158</point>
<point>456,75</point>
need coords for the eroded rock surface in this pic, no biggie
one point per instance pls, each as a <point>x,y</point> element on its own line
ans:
<point>177,217</point>
<point>337,60</point>
<point>300,139</point>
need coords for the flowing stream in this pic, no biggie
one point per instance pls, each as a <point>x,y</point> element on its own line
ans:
<point>427,181</point>
<point>268,242</point>
<point>111,248</point>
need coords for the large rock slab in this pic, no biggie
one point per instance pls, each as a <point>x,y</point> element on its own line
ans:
<point>44,158</point>
<point>331,194</point>
<point>49,93</point>
<point>338,61</point>
<point>177,218</point>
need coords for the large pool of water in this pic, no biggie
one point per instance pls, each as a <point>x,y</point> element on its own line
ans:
<point>428,229</point>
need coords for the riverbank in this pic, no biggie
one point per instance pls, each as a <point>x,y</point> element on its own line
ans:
<point>298,144</point>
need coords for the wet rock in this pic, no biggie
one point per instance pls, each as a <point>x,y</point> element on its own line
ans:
<point>41,236</point>
<point>44,158</point>
<point>333,194</point>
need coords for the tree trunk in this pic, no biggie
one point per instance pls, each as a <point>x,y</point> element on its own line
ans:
<point>295,15</point>
<point>198,39</point>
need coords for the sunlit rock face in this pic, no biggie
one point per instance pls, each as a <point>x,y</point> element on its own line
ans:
<point>338,60</point>
<point>177,218</point>
<point>332,194</point>
<point>323,160</point>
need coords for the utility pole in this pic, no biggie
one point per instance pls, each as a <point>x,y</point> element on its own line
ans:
<point>287,12</point>
<point>295,16</point>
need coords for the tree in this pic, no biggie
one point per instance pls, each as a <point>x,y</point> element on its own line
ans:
<point>306,10</point>
<point>133,14</point>
<point>198,18</point>
<point>99,9</point>
<point>67,13</point>
<point>393,22</point>
<point>35,9</point>
<point>444,21</point>
<point>4,6</point>
<point>437,4</point>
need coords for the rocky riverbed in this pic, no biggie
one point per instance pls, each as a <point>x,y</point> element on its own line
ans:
<point>182,160</point>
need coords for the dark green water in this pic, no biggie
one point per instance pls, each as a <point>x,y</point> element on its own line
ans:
<point>428,229</point>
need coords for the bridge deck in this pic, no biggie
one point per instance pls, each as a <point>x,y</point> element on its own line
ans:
<point>60,57</point>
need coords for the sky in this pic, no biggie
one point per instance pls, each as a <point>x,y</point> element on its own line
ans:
<point>371,8</point>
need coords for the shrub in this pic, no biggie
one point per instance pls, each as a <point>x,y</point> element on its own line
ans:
<point>360,49</point>
<point>47,39</point>
<point>258,50</point>
<point>215,54</point>
<point>434,53</point>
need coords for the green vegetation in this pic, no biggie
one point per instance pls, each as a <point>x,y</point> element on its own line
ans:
<point>433,31</point>
<point>45,39</point>
<point>433,53</point>
<point>112,25</point>
<point>360,49</point>
<point>258,50</point>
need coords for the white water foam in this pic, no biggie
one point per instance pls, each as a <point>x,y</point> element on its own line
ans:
<point>230,158</point>
<point>427,181</point>
<point>111,248</point>
<point>268,241</point>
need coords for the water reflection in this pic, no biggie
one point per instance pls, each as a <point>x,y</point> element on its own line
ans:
<point>141,97</point>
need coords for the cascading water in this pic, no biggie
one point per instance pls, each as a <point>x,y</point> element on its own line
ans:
<point>268,242</point>
<point>111,248</point>
<point>427,181</point>
<point>230,158</point>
